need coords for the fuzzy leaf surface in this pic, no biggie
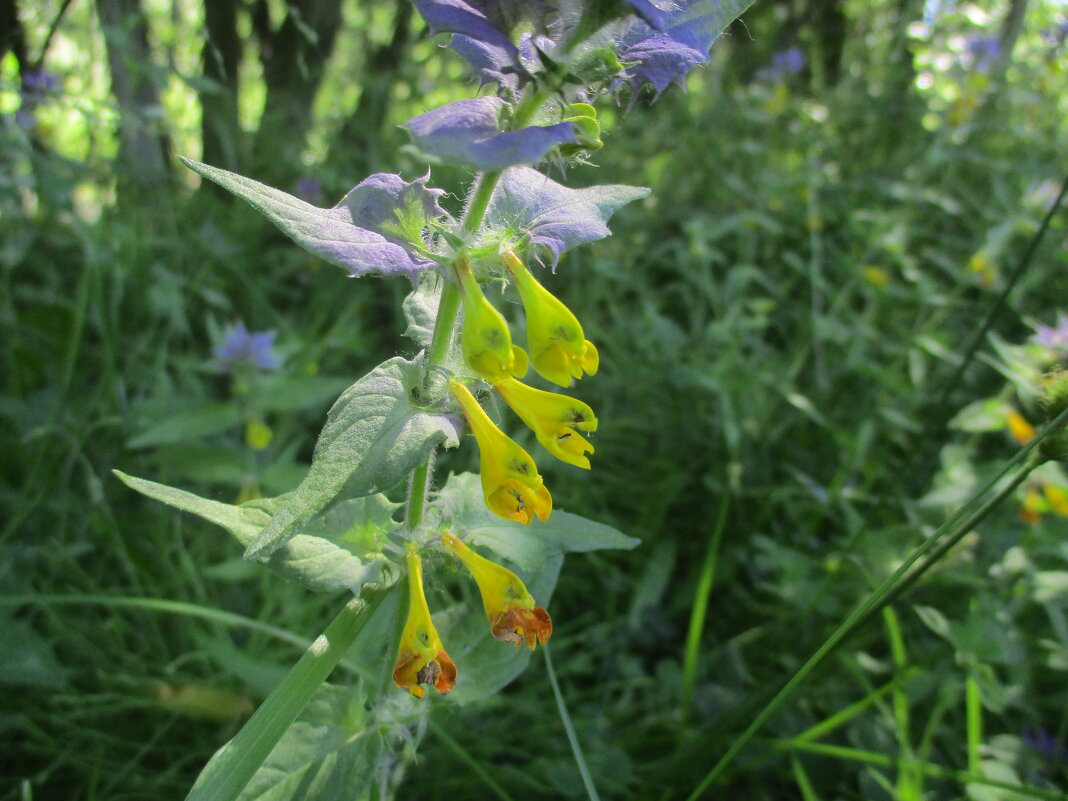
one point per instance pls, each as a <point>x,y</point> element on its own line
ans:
<point>374,436</point>
<point>528,204</point>
<point>376,228</point>
<point>339,551</point>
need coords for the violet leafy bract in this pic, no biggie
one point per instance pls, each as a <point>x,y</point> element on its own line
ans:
<point>528,205</point>
<point>376,228</point>
<point>468,132</point>
<point>660,57</point>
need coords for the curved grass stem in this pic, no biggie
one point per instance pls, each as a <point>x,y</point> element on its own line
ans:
<point>951,532</point>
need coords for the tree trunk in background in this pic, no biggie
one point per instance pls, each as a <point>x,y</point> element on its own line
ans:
<point>829,23</point>
<point>294,57</point>
<point>362,134</point>
<point>12,37</point>
<point>143,147</point>
<point>221,59</point>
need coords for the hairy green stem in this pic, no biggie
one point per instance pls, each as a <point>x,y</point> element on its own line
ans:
<point>963,521</point>
<point>232,768</point>
<point>450,299</point>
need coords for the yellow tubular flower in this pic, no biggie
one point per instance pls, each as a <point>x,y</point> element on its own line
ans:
<point>553,418</point>
<point>487,345</point>
<point>1020,430</point>
<point>510,481</point>
<point>512,614</point>
<point>421,659</point>
<point>559,350</point>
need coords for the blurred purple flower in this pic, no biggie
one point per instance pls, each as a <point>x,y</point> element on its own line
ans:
<point>39,82</point>
<point>785,62</point>
<point>240,348</point>
<point>468,132</point>
<point>309,190</point>
<point>1056,34</point>
<point>1055,337</point>
<point>982,50</point>
<point>1045,744</point>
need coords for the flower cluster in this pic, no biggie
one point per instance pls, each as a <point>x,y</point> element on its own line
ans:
<point>510,609</point>
<point>559,351</point>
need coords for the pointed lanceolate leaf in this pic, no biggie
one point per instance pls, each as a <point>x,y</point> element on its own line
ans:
<point>678,43</point>
<point>525,202</point>
<point>376,228</point>
<point>374,436</point>
<point>333,751</point>
<point>468,132</point>
<point>340,550</point>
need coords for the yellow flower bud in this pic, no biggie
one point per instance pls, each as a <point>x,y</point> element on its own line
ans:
<point>486,342</point>
<point>559,350</point>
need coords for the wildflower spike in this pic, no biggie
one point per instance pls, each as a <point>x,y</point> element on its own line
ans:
<point>421,659</point>
<point>487,345</point>
<point>511,484</point>
<point>559,350</point>
<point>510,608</point>
<point>553,418</point>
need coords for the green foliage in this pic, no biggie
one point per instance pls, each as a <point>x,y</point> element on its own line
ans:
<point>376,433</point>
<point>340,550</point>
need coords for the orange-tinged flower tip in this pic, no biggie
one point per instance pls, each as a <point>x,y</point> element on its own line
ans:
<point>1021,431</point>
<point>484,337</point>
<point>421,659</point>
<point>553,418</point>
<point>559,350</point>
<point>511,484</point>
<point>513,616</point>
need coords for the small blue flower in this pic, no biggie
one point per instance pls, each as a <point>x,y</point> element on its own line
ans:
<point>1045,744</point>
<point>784,63</point>
<point>309,190</point>
<point>1055,337</point>
<point>982,51</point>
<point>240,348</point>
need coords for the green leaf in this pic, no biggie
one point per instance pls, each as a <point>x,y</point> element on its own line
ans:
<point>331,752</point>
<point>374,436</point>
<point>199,421</point>
<point>279,392</point>
<point>460,506</point>
<point>28,658</point>
<point>341,552</point>
<point>376,228</point>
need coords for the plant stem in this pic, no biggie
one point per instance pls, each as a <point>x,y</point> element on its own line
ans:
<point>450,299</point>
<point>231,769</point>
<point>700,609</point>
<point>569,728</point>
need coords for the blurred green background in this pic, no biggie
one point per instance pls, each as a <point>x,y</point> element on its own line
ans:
<point>838,201</point>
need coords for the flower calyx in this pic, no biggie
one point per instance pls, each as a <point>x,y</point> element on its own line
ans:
<point>421,658</point>
<point>511,484</point>
<point>512,613</point>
